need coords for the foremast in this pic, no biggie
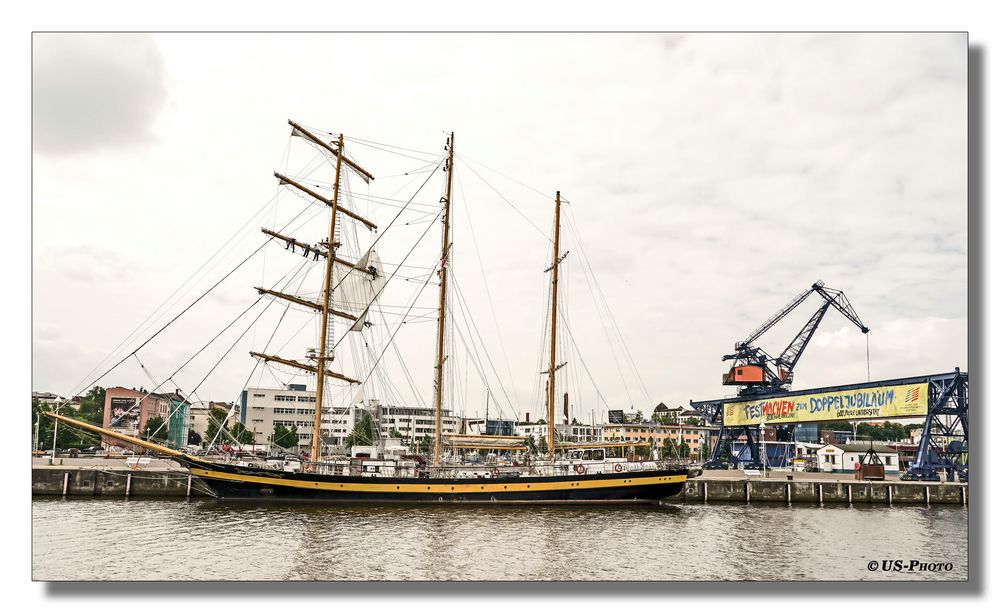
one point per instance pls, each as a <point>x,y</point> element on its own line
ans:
<point>442,302</point>
<point>328,251</point>
<point>321,357</point>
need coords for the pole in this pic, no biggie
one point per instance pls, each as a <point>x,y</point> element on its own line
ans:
<point>55,437</point>
<point>322,358</point>
<point>445,248</point>
<point>552,340</point>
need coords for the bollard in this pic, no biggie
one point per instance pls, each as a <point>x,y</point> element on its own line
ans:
<point>65,483</point>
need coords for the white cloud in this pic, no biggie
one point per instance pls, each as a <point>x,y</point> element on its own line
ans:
<point>712,177</point>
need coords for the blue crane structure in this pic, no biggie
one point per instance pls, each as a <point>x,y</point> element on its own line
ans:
<point>944,439</point>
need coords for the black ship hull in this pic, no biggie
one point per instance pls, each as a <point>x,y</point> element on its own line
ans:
<point>238,482</point>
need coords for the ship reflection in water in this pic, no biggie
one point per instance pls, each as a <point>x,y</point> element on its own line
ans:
<point>208,540</point>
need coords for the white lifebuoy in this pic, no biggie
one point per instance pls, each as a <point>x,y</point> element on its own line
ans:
<point>580,469</point>
<point>618,468</point>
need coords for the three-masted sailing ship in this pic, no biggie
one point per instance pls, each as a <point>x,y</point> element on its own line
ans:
<point>565,475</point>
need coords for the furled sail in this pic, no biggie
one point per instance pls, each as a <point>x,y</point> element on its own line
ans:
<point>357,286</point>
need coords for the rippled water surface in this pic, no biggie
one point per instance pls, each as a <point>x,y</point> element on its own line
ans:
<point>80,539</point>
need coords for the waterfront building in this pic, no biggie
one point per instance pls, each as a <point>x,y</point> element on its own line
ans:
<point>567,433</point>
<point>199,414</point>
<point>263,408</point>
<point>694,436</point>
<point>841,457</point>
<point>127,410</point>
<point>48,398</point>
<point>489,427</point>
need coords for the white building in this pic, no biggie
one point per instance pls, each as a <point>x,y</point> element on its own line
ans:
<point>842,457</point>
<point>566,433</point>
<point>263,408</point>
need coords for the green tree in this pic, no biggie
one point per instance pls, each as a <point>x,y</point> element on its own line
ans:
<point>638,417</point>
<point>684,451</point>
<point>283,437</point>
<point>543,445</point>
<point>692,421</point>
<point>426,444</point>
<point>364,432</point>
<point>193,437</point>
<point>91,408</point>
<point>530,443</point>
<point>216,419</point>
<point>155,429</point>
<point>241,434</point>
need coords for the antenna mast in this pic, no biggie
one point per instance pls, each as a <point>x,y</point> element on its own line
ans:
<point>445,248</point>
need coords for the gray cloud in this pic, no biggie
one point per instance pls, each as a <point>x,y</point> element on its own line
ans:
<point>91,91</point>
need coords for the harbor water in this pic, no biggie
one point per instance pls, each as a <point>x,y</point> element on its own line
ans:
<point>172,539</point>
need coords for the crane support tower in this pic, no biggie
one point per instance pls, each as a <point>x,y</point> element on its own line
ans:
<point>944,442</point>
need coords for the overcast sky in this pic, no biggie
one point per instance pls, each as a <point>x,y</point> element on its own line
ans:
<point>711,178</point>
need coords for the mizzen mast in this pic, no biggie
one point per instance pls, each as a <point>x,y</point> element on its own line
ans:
<point>551,398</point>
<point>445,248</point>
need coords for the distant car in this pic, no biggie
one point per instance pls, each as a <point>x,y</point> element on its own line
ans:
<point>94,449</point>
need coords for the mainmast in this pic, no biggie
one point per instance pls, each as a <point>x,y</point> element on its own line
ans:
<point>445,248</point>
<point>322,358</point>
<point>551,400</point>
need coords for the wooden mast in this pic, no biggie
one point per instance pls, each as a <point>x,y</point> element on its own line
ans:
<point>445,248</point>
<point>322,357</point>
<point>551,400</point>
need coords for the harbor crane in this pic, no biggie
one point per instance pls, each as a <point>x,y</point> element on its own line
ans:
<point>758,373</point>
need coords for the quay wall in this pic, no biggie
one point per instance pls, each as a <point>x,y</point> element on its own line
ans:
<point>824,491</point>
<point>85,481</point>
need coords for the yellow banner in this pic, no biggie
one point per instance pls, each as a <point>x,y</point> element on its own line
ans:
<point>881,402</point>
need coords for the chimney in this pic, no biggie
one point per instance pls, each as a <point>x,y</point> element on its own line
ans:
<point>527,416</point>
<point>565,407</point>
